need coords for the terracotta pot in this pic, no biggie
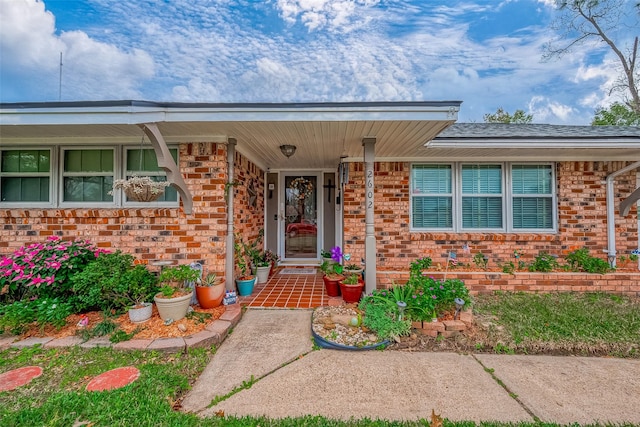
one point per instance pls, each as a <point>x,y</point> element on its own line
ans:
<point>351,293</point>
<point>332,285</point>
<point>210,296</point>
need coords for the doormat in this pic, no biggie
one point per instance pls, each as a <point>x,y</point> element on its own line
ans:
<point>298,271</point>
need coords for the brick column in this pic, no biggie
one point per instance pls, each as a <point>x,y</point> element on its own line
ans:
<point>370,249</point>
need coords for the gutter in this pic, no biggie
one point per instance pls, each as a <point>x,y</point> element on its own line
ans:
<point>611,224</point>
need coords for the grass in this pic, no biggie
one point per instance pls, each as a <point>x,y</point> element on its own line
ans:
<point>590,323</point>
<point>576,322</point>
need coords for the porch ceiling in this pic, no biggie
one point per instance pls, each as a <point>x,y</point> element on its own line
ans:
<point>322,132</point>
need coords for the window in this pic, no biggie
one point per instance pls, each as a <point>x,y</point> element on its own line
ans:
<point>481,196</point>
<point>532,196</point>
<point>88,175</point>
<point>432,201</point>
<point>145,163</point>
<point>468,197</point>
<point>25,176</point>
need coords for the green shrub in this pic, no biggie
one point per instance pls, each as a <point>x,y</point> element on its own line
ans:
<point>112,282</point>
<point>17,316</point>
<point>382,321</point>
<point>544,263</point>
<point>419,265</point>
<point>580,260</point>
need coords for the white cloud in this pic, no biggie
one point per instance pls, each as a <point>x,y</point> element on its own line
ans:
<point>91,69</point>
<point>545,109</point>
<point>336,15</point>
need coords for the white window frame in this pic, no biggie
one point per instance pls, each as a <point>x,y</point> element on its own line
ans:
<point>459,196</point>
<point>452,195</point>
<point>52,176</point>
<point>119,197</point>
<point>553,196</point>
<point>507,199</point>
<point>62,174</point>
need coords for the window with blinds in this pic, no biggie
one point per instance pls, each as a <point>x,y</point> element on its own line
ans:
<point>432,196</point>
<point>482,196</point>
<point>532,191</point>
<point>500,196</point>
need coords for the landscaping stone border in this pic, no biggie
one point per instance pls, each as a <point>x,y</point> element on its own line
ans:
<point>445,328</point>
<point>213,334</point>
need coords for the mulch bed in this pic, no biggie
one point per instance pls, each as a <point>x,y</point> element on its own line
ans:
<point>152,329</point>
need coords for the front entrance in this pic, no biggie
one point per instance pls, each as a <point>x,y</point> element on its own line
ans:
<point>301,216</point>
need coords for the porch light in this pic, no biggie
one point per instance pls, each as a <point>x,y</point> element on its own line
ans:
<point>288,150</point>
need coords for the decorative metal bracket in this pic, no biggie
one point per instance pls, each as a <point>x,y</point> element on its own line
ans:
<point>166,163</point>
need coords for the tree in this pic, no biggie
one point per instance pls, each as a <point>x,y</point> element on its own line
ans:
<point>585,20</point>
<point>501,116</point>
<point>617,114</point>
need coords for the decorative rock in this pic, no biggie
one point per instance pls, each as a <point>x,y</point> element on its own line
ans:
<point>182,327</point>
<point>168,321</point>
<point>466,316</point>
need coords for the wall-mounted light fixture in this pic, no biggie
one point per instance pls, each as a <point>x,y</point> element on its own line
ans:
<point>288,150</point>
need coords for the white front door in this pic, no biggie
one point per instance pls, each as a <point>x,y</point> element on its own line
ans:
<point>301,209</point>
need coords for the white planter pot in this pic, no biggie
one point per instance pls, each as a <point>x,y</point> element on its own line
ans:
<point>263,274</point>
<point>173,308</point>
<point>141,314</point>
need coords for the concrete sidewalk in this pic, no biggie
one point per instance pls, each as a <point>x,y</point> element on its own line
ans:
<point>272,350</point>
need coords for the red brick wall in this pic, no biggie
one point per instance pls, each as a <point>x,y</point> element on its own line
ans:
<point>152,234</point>
<point>481,282</point>
<point>581,194</point>
<point>248,218</point>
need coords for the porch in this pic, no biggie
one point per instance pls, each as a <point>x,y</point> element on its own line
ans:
<point>286,289</point>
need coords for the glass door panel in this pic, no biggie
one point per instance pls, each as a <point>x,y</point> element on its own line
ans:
<point>300,217</point>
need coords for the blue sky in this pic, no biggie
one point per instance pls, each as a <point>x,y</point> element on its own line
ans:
<point>487,54</point>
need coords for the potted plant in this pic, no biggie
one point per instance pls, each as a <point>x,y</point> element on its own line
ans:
<point>174,297</point>
<point>138,287</point>
<point>210,291</point>
<point>140,188</point>
<point>331,277</point>
<point>352,269</point>
<point>244,281</point>
<point>273,260</point>
<point>326,256</point>
<point>351,288</point>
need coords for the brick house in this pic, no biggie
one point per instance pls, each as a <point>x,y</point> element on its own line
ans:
<point>388,181</point>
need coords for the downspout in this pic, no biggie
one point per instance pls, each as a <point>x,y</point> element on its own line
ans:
<point>230,261</point>
<point>611,224</point>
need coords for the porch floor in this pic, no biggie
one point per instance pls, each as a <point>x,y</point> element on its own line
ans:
<point>289,291</point>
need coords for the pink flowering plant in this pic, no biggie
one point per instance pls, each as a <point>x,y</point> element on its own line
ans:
<point>44,269</point>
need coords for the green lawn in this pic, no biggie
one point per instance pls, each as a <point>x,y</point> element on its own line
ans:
<point>58,397</point>
<point>563,323</point>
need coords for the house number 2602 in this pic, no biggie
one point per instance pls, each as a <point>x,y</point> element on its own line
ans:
<point>370,189</point>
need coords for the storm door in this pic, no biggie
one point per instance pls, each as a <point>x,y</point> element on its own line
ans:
<point>300,217</point>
